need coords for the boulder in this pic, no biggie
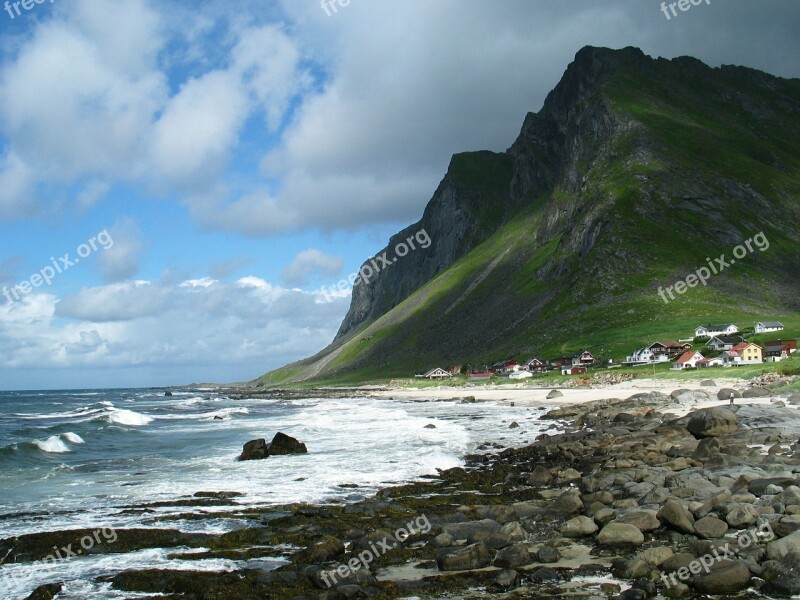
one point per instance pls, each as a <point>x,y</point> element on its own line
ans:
<point>724,577</point>
<point>46,592</point>
<point>513,556</point>
<point>783,578</point>
<point>674,515</point>
<point>756,391</point>
<point>475,556</point>
<point>568,503</point>
<point>540,477</point>
<point>710,528</point>
<point>786,550</point>
<point>579,527</point>
<point>742,515</point>
<point>508,579</point>
<point>644,520</point>
<point>620,534</point>
<point>548,555</point>
<point>725,394</point>
<point>708,383</point>
<point>281,444</point>
<point>326,549</point>
<point>468,529</point>
<point>554,394</point>
<point>712,422</point>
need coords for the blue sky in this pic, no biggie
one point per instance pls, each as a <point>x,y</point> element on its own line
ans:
<point>241,155</point>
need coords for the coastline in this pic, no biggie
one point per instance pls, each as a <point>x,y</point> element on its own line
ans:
<point>528,519</point>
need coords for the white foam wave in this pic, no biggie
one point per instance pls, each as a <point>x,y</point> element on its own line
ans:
<point>120,416</point>
<point>52,445</point>
<point>73,438</point>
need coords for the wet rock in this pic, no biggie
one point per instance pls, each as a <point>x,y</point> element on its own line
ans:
<point>712,422</point>
<point>430,426</point>
<point>514,532</point>
<point>708,383</point>
<point>785,550</point>
<point>783,578</point>
<point>281,444</point>
<point>724,577</point>
<point>540,477</point>
<point>548,555</point>
<point>514,425</point>
<point>511,557</point>
<point>579,527</point>
<point>468,529</point>
<point>710,528</point>
<point>567,503</point>
<point>508,579</point>
<point>620,534</point>
<point>644,520</point>
<point>475,556</point>
<point>46,592</point>
<point>706,448</point>
<point>554,394</point>
<point>674,515</point>
<point>327,549</point>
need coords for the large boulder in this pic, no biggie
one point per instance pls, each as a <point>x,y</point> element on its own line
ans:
<point>643,520</point>
<point>467,558</point>
<point>724,577</point>
<point>554,394</point>
<point>710,528</point>
<point>513,556</point>
<point>281,444</point>
<point>785,549</point>
<point>712,422</point>
<point>756,392</point>
<point>620,534</point>
<point>579,527</point>
<point>725,394</point>
<point>674,515</point>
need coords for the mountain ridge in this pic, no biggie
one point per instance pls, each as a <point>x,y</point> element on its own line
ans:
<point>555,237</point>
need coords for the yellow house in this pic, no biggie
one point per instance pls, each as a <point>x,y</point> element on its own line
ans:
<point>748,354</point>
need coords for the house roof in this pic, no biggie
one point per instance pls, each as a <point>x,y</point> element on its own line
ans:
<point>770,324</point>
<point>717,327</point>
<point>580,353</point>
<point>744,346</point>
<point>687,356</point>
<point>728,339</point>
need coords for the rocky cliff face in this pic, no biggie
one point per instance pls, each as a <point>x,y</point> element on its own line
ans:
<point>634,170</point>
<point>551,150</point>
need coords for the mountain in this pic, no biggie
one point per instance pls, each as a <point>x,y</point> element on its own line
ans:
<point>635,173</point>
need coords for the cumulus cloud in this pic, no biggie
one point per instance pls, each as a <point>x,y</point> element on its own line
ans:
<point>311,262</point>
<point>248,325</point>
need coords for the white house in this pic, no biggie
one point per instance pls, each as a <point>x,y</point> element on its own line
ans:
<point>710,362</point>
<point>768,326</point>
<point>643,356</point>
<point>521,374</point>
<point>436,373</point>
<point>688,360</point>
<point>712,330</point>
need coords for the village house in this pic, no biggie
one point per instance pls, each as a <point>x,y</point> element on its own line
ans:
<point>670,349</point>
<point>535,365</point>
<point>644,356</point>
<point>742,354</point>
<point>582,358</point>
<point>573,370</point>
<point>768,326</point>
<point>437,373</point>
<point>724,342</point>
<point>710,331</point>
<point>504,366</point>
<point>707,363</point>
<point>779,350</point>
<point>688,360</point>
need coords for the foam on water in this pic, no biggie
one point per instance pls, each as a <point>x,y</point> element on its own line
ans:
<point>121,416</point>
<point>53,445</point>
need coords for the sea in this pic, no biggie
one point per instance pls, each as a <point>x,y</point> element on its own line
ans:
<point>83,459</point>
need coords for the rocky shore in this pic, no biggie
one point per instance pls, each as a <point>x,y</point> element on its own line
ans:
<point>629,502</point>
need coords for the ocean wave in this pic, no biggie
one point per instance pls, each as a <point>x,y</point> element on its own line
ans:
<point>73,438</point>
<point>52,445</point>
<point>120,416</point>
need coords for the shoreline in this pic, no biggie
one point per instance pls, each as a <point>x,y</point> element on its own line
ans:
<point>531,519</point>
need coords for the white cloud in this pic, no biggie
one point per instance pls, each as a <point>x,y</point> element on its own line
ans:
<point>250,324</point>
<point>311,262</point>
<point>121,260</point>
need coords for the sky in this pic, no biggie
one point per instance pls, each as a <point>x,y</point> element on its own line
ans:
<point>181,182</point>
